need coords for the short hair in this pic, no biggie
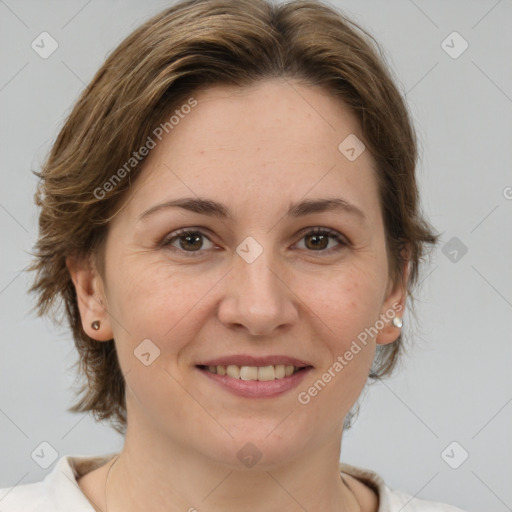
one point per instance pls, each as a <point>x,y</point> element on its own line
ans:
<point>185,48</point>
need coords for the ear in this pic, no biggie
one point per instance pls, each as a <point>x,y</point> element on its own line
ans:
<point>92,301</point>
<point>393,305</point>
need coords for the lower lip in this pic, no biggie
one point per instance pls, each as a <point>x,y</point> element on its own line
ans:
<point>256,388</point>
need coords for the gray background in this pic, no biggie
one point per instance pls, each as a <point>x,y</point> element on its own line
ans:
<point>455,384</point>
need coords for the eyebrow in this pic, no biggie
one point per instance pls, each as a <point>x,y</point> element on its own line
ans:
<point>215,209</point>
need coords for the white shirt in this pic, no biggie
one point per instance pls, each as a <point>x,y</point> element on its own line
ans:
<point>59,491</point>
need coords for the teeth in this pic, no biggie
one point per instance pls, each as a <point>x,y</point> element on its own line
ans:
<point>232,371</point>
<point>266,373</point>
<point>261,373</point>
<point>280,371</point>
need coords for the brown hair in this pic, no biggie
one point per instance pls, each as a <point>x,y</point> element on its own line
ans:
<point>191,45</point>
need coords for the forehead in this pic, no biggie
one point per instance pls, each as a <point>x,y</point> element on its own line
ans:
<point>275,141</point>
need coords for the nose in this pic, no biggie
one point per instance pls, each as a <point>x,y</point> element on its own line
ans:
<point>257,297</point>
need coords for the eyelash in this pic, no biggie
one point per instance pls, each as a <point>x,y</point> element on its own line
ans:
<point>166,243</point>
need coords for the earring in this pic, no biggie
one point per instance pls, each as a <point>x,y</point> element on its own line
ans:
<point>397,321</point>
<point>95,325</point>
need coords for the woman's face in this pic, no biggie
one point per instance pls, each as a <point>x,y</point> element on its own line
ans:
<point>254,281</point>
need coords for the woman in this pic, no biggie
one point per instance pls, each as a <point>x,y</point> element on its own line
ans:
<point>230,215</point>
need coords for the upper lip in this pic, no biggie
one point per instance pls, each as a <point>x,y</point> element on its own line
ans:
<point>247,360</point>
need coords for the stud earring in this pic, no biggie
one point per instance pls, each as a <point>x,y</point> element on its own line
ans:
<point>397,321</point>
<point>95,325</point>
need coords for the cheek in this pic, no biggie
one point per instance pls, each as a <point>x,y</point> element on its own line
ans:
<point>343,309</point>
<point>346,301</point>
<point>156,302</point>
<point>151,311</point>
<point>147,295</point>
<point>342,312</point>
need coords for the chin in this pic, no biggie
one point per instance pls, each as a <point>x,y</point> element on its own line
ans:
<point>256,446</point>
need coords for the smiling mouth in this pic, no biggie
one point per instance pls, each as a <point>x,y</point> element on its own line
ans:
<point>258,373</point>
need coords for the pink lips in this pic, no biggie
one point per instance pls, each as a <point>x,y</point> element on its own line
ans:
<point>256,388</point>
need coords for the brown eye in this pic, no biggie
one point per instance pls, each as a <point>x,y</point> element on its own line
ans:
<point>192,241</point>
<point>318,240</point>
<point>187,241</point>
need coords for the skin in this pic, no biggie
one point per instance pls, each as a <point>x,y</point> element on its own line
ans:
<point>255,150</point>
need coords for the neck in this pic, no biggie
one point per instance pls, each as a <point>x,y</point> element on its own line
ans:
<point>179,478</point>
